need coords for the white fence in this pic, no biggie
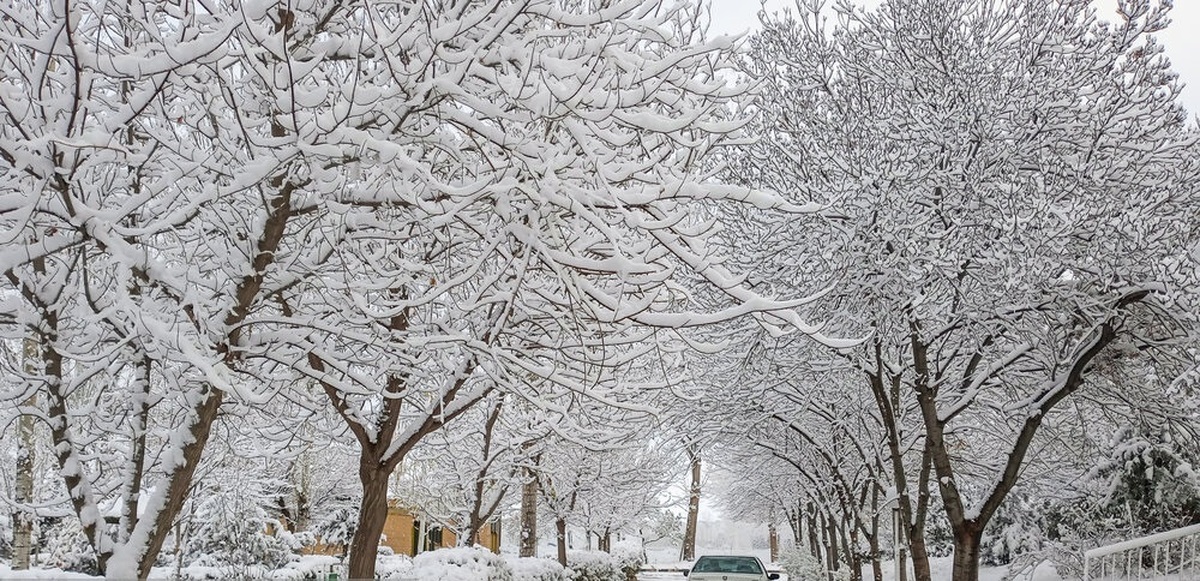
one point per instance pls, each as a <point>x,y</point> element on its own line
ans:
<point>1173,555</point>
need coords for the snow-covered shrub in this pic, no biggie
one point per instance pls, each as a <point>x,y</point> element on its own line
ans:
<point>1015,530</point>
<point>393,567</point>
<point>537,569</point>
<point>336,526</point>
<point>65,547</point>
<point>800,565</point>
<point>461,564</point>
<point>231,529</point>
<point>6,535</point>
<point>594,566</point>
<point>307,568</point>
<point>630,556</point>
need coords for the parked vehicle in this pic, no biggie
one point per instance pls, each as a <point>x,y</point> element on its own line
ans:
<point>729,568</point>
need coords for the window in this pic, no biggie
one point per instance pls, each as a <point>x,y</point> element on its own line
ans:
<point>727,565</point>
<point>433,538</point>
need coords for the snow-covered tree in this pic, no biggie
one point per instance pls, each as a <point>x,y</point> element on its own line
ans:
<point>514,212</point>
<point>98,183</point>
<point>1007,185</point>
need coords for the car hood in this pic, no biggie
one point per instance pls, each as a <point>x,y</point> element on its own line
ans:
<point>726,577</point>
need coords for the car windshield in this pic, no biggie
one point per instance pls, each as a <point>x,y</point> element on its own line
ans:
<point>727,565</point>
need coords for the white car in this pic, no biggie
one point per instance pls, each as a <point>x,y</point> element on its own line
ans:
<point>729,568</point>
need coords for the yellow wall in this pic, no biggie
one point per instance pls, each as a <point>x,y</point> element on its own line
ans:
<point>490,538</point>
<point>399,531</point>
<point>398,535</point>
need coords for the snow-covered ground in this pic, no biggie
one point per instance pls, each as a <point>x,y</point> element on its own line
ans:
<point>941,570</point>
<point>6,572</point>
<point>940,566</point>
<point>309,565</point>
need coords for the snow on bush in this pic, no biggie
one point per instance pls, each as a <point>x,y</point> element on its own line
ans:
<point>307,568</point>
<point>538,569</point>
<point>6,535</point>
<point>65,547</point>
<point>393,567</point>
<point>594,566</point>
<point>460,564</point>
<point>630,556</point>
<point>802,566</point>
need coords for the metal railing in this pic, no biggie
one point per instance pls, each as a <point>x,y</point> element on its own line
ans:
<point>1171,555</point>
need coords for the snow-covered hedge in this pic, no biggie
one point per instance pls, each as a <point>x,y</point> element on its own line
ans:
<point>307,568</point>
<point>537,569</point>
<point>394,567</point>
<point>461,564</point>
<point>802,566</point>
<point>630,556</point>
<point>594,566</point>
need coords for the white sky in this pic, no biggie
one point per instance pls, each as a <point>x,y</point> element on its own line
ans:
<point>1182,39</point>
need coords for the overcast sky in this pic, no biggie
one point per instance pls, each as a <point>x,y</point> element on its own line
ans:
<point>1182,39</point>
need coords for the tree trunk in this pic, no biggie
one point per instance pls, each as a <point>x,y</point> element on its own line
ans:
<point>876,565</point>
<point>180,482</point>
<point>606,541</point>
<point>372,515</point>
<point>831,562</point>
<point>850,549</point>
<point>136,463</point>
<point>773,542</point>
<point>688,552</point>
<point>23,489</point>
<point>529,496</point>
<point>814,543</point>
<point>919,555</point>
<point>916,529</point>
<point>888,402</point>
<point>560,528</point>
<point>476,520</point>
<point>966,554</point>
<point>303,504</point>
<point>795,520</point>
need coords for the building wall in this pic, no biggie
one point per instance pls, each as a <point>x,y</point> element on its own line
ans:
<point>489,536</point>
<point>399,534</point>
<point>398,530</point>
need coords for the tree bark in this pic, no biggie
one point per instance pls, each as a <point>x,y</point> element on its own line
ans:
<point>688,551</point>
<point>832,547</point>
<point>876,565</point>
<point>814,543</point>
<point>136,464</point>
<point>477,518</point>
<point>850,548</point>
<point>529,496</point>
<point>23,489</point>
<point>560,529</point>
<point>372,515</point>
<point>180,482</point>
<point>773,542</point>
<point>795,520</point>
<point>915,532</point>
<point>966,553</point>
<point>887,401</point>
